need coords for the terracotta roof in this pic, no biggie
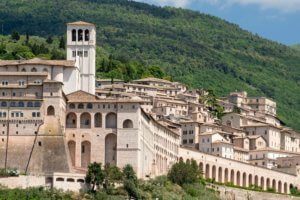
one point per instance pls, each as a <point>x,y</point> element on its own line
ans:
<point>221,142</point>
<point>109,80</point>
<point>240,149</point>
<point>80,23</point>
<point>151,79</point>
<point>81,96</point>
<point>38,61</point>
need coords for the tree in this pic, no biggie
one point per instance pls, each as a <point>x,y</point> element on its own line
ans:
<point>15,35</point>
<point>156,71</point>
<point>112,175</point>
<point>130,182</point>
<point>27,38</point>
<point>62,42</point>
<point>49,40</point>
<point>184,173</point>
<point>95,175</point>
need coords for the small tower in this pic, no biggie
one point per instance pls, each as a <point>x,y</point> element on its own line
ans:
<point>81,47</point>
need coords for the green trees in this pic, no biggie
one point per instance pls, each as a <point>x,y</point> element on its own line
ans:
<point>185,172</point>
<point>15,35</point>
<point>210,100</point>
<point>95,175</point>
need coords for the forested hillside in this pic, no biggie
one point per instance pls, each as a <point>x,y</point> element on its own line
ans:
<point>197,49</point>
<point>297,46</point>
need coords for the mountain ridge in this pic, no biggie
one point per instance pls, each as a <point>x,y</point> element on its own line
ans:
<point>197,49</point>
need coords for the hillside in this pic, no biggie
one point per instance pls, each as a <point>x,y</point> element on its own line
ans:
<point>197,49</point>
<point>297,47</point>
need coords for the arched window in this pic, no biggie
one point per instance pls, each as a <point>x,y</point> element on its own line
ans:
<point>50,111</point>
<point>86,35</point>
<point>80,35</point>
<point>127,124</point>
<point>72,106</point>
<point>37,104</point>
<point>45,70</point>
<point>21,104</point>
<point>60,179</point>
<point>98,120</point>
<point>70,180</point>
<point>3,104</point>
<point>73,35</point>
<point>29,104</point>
<point>89,106</point>
<point>23,70</point>
<point>33,70</point>
<point>111,120</point>
<point>80,106</point>
<point>85,120</point>
<point>71,120</point>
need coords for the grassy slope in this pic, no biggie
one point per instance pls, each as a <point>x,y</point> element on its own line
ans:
<point>197,49</point>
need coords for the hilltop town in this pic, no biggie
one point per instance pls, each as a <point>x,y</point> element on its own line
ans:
<point>56,118</point>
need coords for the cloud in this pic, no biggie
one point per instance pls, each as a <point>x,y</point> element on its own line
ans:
<point>175,3</point>
<point>280,5</point>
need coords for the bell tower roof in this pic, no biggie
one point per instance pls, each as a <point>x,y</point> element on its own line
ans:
<point>80,23</point>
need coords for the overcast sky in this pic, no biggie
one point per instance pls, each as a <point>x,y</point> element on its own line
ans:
<point>277,20</point>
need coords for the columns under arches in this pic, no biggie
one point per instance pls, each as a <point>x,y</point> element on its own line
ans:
<point>226,175</point>
<point>244,179</point>
<point>207,171</point>
<point>262,183</point>
<point>238,178</point>
<point>220,175</point>
<point>232,177</point>
<point>214,173</point>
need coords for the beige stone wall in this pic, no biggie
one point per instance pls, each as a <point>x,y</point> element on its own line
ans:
<point>239,173</point>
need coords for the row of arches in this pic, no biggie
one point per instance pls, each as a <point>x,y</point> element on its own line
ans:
<point>34,70</point>
<point>86,122</point>
<point>83,151</point>
<point>78,35</point>
<point>243,179</point>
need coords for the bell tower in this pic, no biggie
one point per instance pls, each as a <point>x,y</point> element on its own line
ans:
<point>81,47</point>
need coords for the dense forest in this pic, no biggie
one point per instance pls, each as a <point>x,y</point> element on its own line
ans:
<point>198,49</point>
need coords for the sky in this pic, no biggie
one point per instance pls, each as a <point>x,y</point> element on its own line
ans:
<point>278,20</point>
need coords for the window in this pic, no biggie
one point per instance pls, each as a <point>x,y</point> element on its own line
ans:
<point>73,35</point>
<point>72,106</point>
<point>86,35</point>
<point>3,104</point>
<point>21,104</point>
<point>79,53</point>
<point>184,141</point>
<point>13,104</point>
<point>29,104</point>
<point>33,70</point>
<point>89,106</point>
<point>73,54</point>
<point>21,82</point>
<point>38,114</point>
<point>80,106</point>
<point>37,104</point>
<point>86,54</point>
<point>33,114</point>
<point>80,35</point>
<point>191,141</point>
